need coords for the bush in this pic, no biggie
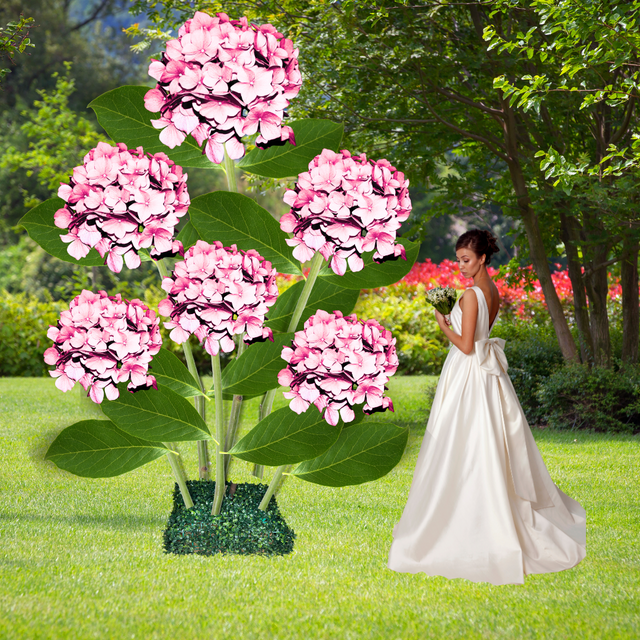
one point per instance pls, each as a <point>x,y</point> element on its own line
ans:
<point>576,397</point>
<point>24,322</point>
<point>421,346</point>
<point>533,355</point>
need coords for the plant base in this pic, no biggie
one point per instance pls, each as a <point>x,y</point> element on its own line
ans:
<point>240,528</point>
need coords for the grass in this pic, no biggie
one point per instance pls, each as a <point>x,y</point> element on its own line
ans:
<point>83,558</point>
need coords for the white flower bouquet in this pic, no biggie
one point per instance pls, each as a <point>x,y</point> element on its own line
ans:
<point>442,298</point>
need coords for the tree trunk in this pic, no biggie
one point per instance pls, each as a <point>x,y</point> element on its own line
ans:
<point>541,264</point>
<point>571,239</point>
<point>630,300</point>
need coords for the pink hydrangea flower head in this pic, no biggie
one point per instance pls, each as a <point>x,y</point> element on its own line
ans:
<point>221,80</point>
<point>345,206</point>
<point>216,293</point>
<point>120,201</point>
<point>336,362</point>
<point>103,340</point>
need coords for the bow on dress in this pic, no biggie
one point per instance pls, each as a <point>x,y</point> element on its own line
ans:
<point>490,355</point>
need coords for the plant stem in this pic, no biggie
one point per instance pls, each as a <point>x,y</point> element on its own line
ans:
<point>221,485</point>
<point>203,447</point>
<point>178,473</point>
<point>235,416</point>
<point>274,485</point>
<point>267,401</point>
<point>230,169</point>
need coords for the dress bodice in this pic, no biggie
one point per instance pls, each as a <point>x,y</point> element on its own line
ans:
<point>483,328</point>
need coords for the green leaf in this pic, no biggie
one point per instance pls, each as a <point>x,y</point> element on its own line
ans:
<point>312,136</point>
<point>41,228</point>
<point>232,218</point>
<point>158,415</point>
<point>256,370</point>
<point>377,275</point>
<point>170,372</point>
<point>98,449</point>
<point>284,437</point>
<point>123,116</point>
<point>325,295</point>
<point>363,452</point>
<point>188,236</point>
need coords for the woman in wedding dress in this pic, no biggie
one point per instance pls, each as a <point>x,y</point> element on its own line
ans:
<point>482,505</point>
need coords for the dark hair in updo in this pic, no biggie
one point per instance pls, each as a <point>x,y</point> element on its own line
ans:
<point>481,242</point>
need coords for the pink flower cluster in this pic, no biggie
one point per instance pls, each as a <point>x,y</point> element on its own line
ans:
<point>223,79</point>
<point>103,340</point>
<point>218,292</point>
<point>344,206</point>
<point>336,362</point>
<point>121,201</point>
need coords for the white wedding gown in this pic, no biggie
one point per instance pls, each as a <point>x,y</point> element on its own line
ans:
<point>482,505</point>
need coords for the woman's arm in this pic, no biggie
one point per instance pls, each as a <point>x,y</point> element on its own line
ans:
<point>469,318</point>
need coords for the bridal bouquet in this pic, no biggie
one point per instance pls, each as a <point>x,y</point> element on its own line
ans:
<point>442,298</point>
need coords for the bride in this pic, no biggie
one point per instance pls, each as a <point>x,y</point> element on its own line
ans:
<point>482,505</point>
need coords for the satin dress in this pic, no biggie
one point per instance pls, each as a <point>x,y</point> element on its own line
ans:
<point>482,505</point>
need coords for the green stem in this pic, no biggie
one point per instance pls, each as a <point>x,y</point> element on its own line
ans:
<point>221,485</point>
<point>274,485</point>
<point>235,416</point>
<point>230,169</point>
<point>203,447</point>
<point>267,401</point>
<point>178,473</point>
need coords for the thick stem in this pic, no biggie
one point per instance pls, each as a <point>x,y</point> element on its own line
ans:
<point>221,485</point>
<point>630,314</point>
<point>234,417</point>
<point>178,473</point>
<point>274,485</point>
<point>267,401</point>
<point>230,169</point>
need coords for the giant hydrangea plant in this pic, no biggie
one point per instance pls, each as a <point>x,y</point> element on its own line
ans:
<point>221,82</point>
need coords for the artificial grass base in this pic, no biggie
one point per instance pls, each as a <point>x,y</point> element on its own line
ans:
<point>240,528</point>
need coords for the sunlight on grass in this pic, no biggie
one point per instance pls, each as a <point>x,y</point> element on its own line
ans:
<point>83,558</point>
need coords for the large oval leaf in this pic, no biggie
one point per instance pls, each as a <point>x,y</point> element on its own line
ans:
<point>232,218</point>
<point>188,236</point>
<point>377,275</point>
<point>256,370</point>
<point>363,452</point>
<point>98,449</point>
<point>325,295</point>
<point>170,372</point>
<point>158,415</point>
<point>41,228</point>
<point>284,437</point>
<point>123,115</point>
<point>312,136</point>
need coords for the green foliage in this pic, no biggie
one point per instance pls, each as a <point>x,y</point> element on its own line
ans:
<point>171,373</point>
<point>533,355</point>
<point>287,438</point>
<point>576,397</point>
<point>325,295</point>
<point>312,136</point>
<point>125,119</point>
<point>420,344</point>
<point>241,528</point>
<point>58,138</point>
<point>232,218</point>
<point>159,415</point>
<point>98,449</point>
<point>256,370</point>
<point>363,452</point>
<point>24,322</point>
<point>14,38</point>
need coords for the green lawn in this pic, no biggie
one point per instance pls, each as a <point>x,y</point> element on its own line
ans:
<point>83,558</point>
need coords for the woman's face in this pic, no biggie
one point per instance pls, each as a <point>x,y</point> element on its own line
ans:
<point>469,262</point>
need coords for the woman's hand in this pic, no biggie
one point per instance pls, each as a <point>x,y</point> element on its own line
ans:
<point>441,320</point>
